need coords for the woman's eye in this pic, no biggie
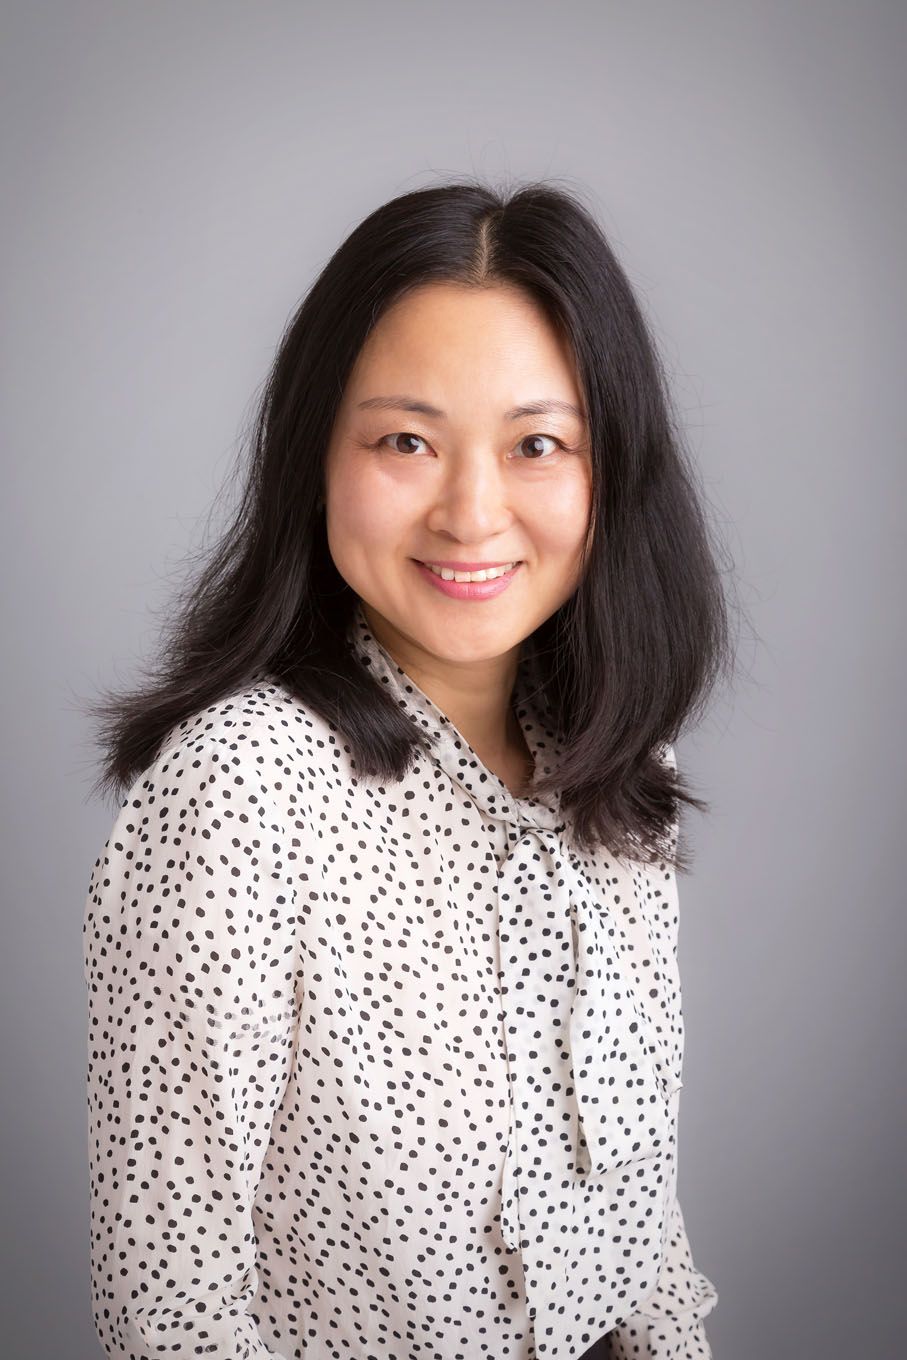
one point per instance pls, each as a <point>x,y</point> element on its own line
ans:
<point>401,434</point>
<point>537,455</point>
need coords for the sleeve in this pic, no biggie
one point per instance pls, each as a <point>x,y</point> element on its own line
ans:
<point>189,954</point>
<point>670,1326</point>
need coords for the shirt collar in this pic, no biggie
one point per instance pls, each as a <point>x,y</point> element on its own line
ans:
<point>452,751</point>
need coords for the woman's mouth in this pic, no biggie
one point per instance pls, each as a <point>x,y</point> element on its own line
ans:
<point>469,585</point>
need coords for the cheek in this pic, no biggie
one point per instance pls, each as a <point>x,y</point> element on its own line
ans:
<point>560,518</point>
<point>363,514</point>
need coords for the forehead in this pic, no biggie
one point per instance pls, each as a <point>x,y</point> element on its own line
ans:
<point>492,340</point>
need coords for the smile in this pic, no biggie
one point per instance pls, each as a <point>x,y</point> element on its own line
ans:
<point>469,585</point>
<point>489,573</point>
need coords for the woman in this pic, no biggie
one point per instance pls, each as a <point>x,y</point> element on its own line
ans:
<point>385,1039</point>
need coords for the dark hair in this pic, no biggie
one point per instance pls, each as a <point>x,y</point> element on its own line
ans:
<point>624,663</point>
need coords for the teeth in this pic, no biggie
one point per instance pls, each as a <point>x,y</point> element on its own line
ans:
<point>490,575</point>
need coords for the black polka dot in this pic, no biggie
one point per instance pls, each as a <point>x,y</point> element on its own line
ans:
<point>384,1073</point>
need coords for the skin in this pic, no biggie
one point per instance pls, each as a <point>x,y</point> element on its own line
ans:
<point>472,486</point>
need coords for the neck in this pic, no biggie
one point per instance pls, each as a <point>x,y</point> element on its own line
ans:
<point>476,696</point>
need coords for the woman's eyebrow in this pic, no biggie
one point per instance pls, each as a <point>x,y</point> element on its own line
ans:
<point>532,408</point>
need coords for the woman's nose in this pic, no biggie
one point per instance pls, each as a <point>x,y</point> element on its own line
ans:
<point>471,503</point>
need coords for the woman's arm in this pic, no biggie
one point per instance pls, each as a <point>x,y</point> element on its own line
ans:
<point>670,1325</point>
<point>189,955</point>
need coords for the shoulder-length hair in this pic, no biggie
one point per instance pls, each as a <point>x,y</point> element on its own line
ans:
<point>623,664</point>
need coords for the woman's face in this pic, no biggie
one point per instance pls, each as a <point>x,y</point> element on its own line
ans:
<point>467,482</point>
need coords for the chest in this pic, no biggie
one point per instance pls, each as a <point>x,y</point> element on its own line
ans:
<point>416,921</point>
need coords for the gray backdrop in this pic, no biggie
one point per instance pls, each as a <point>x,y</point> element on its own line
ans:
<point>174,175</point>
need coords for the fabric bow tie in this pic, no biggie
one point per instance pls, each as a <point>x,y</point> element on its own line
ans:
<point>589,1081</point>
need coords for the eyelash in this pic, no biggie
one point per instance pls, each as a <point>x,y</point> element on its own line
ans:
<point>538,435</point>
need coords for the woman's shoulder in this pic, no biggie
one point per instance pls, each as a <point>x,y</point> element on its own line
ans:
<point>262,713</point>
<point>260,739</point>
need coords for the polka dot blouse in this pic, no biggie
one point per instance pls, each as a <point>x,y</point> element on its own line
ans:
<point>378,1073</point>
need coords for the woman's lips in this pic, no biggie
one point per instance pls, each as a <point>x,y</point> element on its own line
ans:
<point>468,590</point>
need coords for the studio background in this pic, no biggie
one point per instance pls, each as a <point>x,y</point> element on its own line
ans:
<point>174,176</point>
